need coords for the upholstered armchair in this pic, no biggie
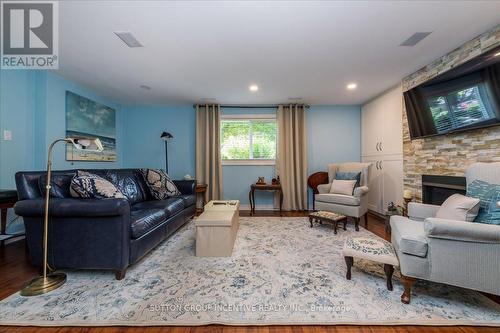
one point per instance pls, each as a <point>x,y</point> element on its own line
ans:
<point>355,205</point>
<point>463,254</point>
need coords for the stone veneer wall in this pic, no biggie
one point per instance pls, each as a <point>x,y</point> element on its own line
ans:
<point>448,154</point>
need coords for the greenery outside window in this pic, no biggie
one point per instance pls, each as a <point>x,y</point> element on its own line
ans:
<point>248,140</point>
<point>460,108</point>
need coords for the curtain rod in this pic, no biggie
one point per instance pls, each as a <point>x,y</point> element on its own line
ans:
<point>243,106</point>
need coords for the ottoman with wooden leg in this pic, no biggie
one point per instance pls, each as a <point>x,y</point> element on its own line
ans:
<point>374,249</point>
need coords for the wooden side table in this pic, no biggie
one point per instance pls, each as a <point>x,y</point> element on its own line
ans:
<point>7,200</point>
<point>265,187</point>
<point>201,190</point>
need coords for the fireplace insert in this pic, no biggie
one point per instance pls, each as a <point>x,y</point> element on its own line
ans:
<point>436,189</point>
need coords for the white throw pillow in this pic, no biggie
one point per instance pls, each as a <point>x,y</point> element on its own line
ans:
<point>459,207</point>
<point>345,187</point>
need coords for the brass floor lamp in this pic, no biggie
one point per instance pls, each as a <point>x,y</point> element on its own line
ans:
<point>48,282</point>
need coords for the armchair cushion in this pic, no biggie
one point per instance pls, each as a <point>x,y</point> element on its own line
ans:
<point>462,231</point>
<point>459,207</point>
<point>411,236</point>
<point>340,199</point>
<point>345,187</point>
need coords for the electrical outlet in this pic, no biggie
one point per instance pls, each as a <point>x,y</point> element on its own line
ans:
<point>7,135</point>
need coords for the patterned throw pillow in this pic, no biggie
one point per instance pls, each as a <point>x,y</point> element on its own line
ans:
<point>160,184</point>
<point>489,195</point>
<point>91,186</point>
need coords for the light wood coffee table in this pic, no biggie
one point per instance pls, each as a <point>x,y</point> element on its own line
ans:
<point>330,217</point>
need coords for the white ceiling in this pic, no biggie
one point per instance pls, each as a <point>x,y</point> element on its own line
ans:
<point>215,49</point>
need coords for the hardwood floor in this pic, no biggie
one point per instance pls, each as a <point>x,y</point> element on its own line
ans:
<point>15,270</point>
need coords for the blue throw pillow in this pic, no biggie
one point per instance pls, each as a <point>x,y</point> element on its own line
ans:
<point>489,195</point>
<point>349,176</point>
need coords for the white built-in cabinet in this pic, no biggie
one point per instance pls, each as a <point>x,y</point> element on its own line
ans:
<point>382,145</point>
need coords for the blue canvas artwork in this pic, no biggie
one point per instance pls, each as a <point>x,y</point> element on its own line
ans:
<point>85,117</point>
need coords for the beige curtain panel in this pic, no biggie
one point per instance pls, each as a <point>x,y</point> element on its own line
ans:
<point>208,160</point>
<point>291,163</point>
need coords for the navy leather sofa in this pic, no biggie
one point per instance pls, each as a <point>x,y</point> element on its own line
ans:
<point>99,233</point>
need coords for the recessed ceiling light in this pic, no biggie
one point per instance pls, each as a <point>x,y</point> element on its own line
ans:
<point>128,38</point>
<point>145,87</point>
<point>253,87</point>
<point>352,86</point>
<point>497,54</point>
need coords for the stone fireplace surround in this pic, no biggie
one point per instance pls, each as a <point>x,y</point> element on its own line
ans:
<point>448,155</point>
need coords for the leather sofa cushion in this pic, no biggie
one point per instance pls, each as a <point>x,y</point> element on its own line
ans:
<point>188,199</point>
<point>410,236</point>
<point>339,199</point>
<point>170,206</point>
<point>60,185</point>
<point>128,181</point>
<point>144,220</point>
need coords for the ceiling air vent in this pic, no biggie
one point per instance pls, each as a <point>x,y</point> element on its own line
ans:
<point>128,38</point>
<point>415,38</point>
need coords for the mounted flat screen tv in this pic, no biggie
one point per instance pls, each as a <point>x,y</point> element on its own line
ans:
<point>464,98</point>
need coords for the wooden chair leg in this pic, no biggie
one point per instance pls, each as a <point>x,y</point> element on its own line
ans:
<point>311,221</point>
<point>349,262</point>
<point>408,282</point>
<point>389,270</point>
<point>356,223</point>
<point>366,220</point>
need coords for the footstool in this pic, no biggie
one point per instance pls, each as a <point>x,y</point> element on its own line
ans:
<point>374,249</point>
<point>330,217</point>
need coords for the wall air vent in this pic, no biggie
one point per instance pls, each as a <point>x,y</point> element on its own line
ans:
<point>128,38</point>
<point>415,38</point>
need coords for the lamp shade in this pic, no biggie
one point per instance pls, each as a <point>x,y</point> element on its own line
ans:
<point>166,135</point>
<point>86,143</point>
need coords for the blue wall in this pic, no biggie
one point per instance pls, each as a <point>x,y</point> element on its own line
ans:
<point>17,104</point>
<point>333,135</point>
<point>143,126</point>
<point>32,106</point>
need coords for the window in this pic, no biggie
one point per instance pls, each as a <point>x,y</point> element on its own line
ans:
<point>248,140</point>
<point>460,108</point>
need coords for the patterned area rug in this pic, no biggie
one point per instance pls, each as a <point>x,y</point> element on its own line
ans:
<point>281,272</point>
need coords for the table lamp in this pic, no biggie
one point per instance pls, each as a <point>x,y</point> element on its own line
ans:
<point>48,282</point>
